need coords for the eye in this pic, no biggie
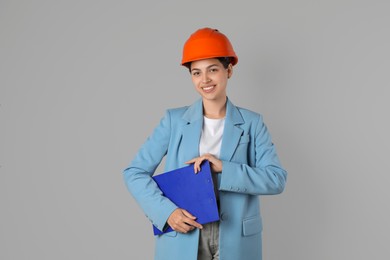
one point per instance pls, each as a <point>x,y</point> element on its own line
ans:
<point>195,73</point>
<point>213,70</point>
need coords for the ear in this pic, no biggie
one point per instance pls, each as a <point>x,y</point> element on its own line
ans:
<point>230,70</point>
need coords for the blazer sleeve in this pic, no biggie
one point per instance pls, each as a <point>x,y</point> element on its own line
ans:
<point>266,177</point>
<point>138,176</point>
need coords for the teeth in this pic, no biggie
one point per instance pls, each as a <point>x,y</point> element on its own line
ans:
<point>208,88</point>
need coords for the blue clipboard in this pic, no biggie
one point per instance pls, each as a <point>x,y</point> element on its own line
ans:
<point>190,191</point>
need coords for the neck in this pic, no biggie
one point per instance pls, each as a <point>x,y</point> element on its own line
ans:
<point>214,109</point>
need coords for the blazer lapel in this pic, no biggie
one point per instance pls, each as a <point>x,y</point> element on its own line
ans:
<point>232,133</point>
<point>192,130</point>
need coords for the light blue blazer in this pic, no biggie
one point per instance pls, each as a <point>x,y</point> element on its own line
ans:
<point>250,168</point>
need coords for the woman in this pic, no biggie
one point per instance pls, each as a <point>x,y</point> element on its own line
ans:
<point>236,143</point>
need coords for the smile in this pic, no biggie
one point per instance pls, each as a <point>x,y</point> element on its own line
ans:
<point>208,88</point>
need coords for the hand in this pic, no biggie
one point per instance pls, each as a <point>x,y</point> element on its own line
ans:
<point>182,221</point>
<point>215,164</point>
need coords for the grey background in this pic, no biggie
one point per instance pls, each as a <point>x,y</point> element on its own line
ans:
<point>83,83</point>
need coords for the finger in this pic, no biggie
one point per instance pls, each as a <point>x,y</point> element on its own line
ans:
<point>187,214</point>
<point>190,219</point>
<point>197,164</point>
<point>194,162</point>
<point>190,161</point>
<point>183,227</point>
<point>196,167</point>
<point>194,224</point>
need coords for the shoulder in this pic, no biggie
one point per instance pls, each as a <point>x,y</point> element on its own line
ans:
<point>177,112</point>
<point>188,113</point>
<point>175,115</point>
<point>249,115</point>
<point>252,121</point>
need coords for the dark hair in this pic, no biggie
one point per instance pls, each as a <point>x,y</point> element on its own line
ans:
<point>224,60</point>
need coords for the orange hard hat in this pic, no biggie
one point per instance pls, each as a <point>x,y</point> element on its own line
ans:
<point>207,43</point>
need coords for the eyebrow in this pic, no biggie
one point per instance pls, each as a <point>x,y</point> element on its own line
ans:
<point>215,64</point>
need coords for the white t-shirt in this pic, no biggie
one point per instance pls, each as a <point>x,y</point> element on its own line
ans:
<point>211,138</point>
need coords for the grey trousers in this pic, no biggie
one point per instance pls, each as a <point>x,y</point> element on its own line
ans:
<point>209,242</point>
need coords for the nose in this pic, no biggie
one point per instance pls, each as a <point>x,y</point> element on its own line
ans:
<point>205,78</point>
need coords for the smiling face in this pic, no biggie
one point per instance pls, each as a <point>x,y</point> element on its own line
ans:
<point>210,79</point>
